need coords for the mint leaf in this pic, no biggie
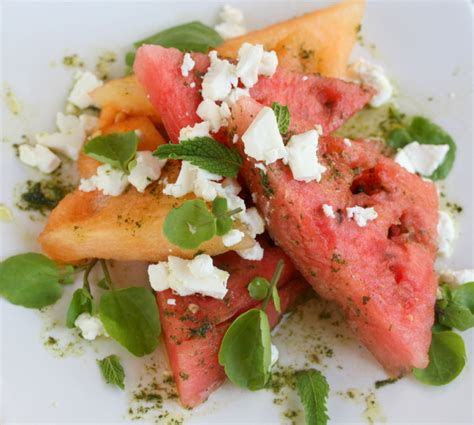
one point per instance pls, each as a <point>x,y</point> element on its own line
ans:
<point>117,149</point>
<point>258,288</point>
<point>282,114</point>
<point>30,280</point>
<point>112,370</point>
<point>245,352</point>
<point>313,390</point>
<point>447,359</point>
<point>205,153</point>
<point>130,316</point>
<point>81,302</point>
<point>456,309</point>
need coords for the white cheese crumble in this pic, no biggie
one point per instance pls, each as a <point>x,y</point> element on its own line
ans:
<point>261,166</point>
<point>235,94</point>
<point>274,356</point>
<point>90,326</point>
<point>85,82</point>
<point>254,61</point>
<point>108,180</point>
<point>40,157</point>
<point>361,215</point>
<point>214,114</point>
<point>254,253</point>
<point>187,65</point>
<point>201,129</point>
<point>328,211</point>
<point>446,234</point>
<point>374,76</point>
<point>146,170</point>
<point>254,221</point>
<point>231,22</point>
<point>171,301</point>
<point>457,277</point>
<point>219,79</point>
<point>347,142</point>
<point>302,157</point>
<point>72,133</point>
<point>421,158</point>
<point>262,139</point>
<point>232,237</point>
<point>187,277</point>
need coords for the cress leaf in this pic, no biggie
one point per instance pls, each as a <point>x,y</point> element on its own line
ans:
<point>282,114</point>
<point>205,153</point>
<point>116,149</point>
<point>190,224</point>
<point>447,357</point>
<point>30,280</point>
<point>258,288</point>
<point>112,370</point>
<point>81,302</point>
<point>456,309</point>
<point>219,206</point>
<point>245,351</point>
<point>398,138</point>
<point>130,316</point>
<point>313,390</point>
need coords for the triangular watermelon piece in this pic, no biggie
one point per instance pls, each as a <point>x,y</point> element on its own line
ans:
<point>319,100</point>
<point>381,275</point>
<point>194,327</point>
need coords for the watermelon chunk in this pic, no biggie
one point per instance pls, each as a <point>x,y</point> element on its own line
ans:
<point>193,334</point>
<point>326,101</point>
<point>382,275</point>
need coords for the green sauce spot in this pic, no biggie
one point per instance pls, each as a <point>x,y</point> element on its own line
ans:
<point>103,64</point>
<point>73,61</point>
<point>12,102</point>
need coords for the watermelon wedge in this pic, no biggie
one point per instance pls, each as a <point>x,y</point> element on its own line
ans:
<point>194,327</point>
<point>319,100</point>
<point>382,275</point>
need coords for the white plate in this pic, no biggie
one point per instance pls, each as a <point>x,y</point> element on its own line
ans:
<point>426,46</point>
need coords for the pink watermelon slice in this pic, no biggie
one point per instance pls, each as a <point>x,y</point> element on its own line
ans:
<point>194,327</point>
<point>381,275</point>
<point>325,101</point>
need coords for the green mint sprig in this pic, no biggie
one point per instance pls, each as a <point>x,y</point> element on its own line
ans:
<point>282,114</point>
<point>313,390</point>
<point>112,371</point>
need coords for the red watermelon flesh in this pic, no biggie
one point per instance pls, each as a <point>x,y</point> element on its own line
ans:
<point>319,100</point>
<point>381,275</point>
<point>193,335</point>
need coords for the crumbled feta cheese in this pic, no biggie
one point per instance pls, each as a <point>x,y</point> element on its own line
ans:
<point>219,79</point>
<point>446,234</point>
<point>192,84</point>
<point>171,301</point>
<point>252,254</point>
<point>361,215</point>
<point>232,238</point>
<point>90,326</point>
<point>213,113</point>
<point>457,277</point>
<point>235,94</point>
<point>274,356</point>
<point>304,78</point>
<point>187,277</point>
<point>254,61</point>
<point>328,211</point>
<point>268,64</point>
<point>261,166</point>
<point>40,157</point>
<point>110,181</point>
<point>232,23</point>
<point>347,142</point>
<point>72,133</point>
<point>85,82</point>
<point>421,158</point>
<point>229,13</point>
<point>188,65</point>
<point>235,138</point>
<point>254,221</point>
<point>147,170</point>
<point>302,157</point>
<point>262,140</point>
<point>373,76</point>
<point>197,130</point>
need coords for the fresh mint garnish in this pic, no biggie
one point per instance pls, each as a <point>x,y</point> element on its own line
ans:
<point>282,114</point>
<point>313,390</point>
<point>112,370</point>
<point>205,153</point>
<point>456,308</point>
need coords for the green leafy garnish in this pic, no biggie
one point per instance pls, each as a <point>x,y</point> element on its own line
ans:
<point>30,280</point>
<point>456,309</point>
<point>258,288</point>
<point>81,302</point>
<point>282,114</point>
<point>117,149</point>
<point>424,131</point>
<point>313,390</point>
<point>112,370</point>
<point>273,290</point>
<point>205,153</point>
<point>447,358</point>
<point>223,220</point>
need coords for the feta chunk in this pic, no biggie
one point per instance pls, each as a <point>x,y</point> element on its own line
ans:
<point>373,76</point>
<point>188,65</point>
<point>90,326</point>
<point>254,253</point>
<point>110,181</point>
<point>147,170</point>
<point>232,237</point>
<point>361,215</point>
<point>420,158</point>
<point>171,301</point>
<point>254,61</point>
<point>229,13</point>
<point>40,157</point>
<point>254,221</point>
<point>457,277</point>
<point>446,234</point>
<point>219,79</point>
<point>232,23</point>
<point>302,157</point>
<point>197,130</point>
<point>85,82</point>
<point>213,113</point>
<point>187,277</point>
<point>262,140</point>
<point>235,94</point>
<point>328,211</point>
<point>347,142</point>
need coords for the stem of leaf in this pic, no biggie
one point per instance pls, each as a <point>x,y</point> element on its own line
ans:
<point>108,279</point>
<point>232,212</point>
<point>275,278</point>
<point>87,272</point>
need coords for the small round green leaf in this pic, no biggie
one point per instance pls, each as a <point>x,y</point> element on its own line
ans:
<point>258,288</point>
<point>30,280</point>
<point>81,302</point>
<point>130,316</point>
